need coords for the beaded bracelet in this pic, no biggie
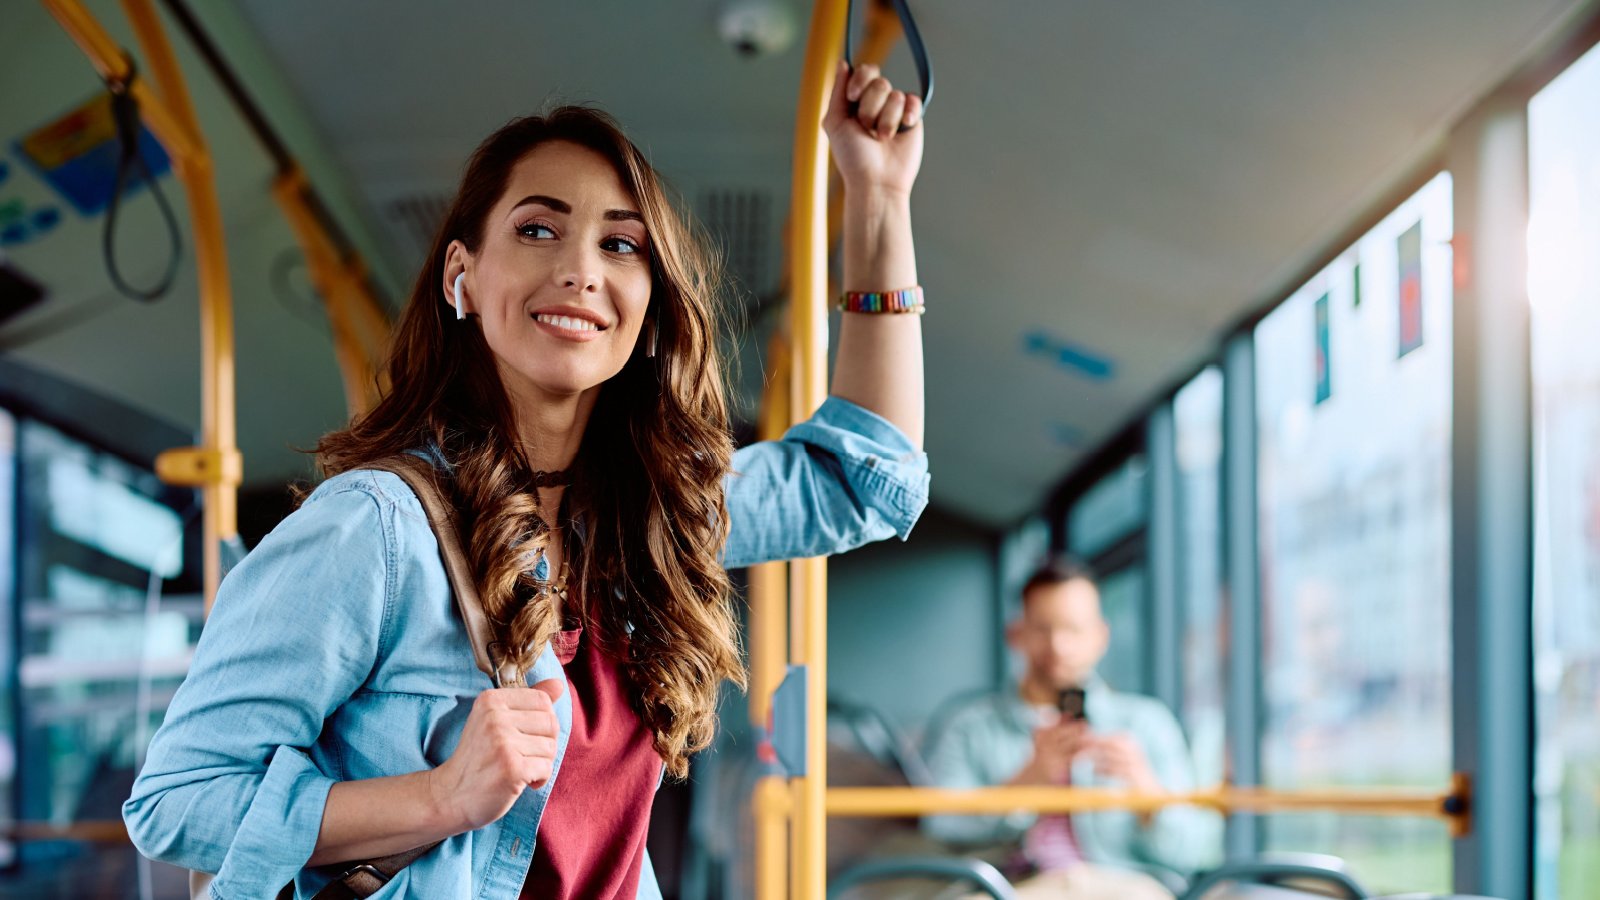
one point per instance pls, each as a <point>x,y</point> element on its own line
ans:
<point>908,300</point>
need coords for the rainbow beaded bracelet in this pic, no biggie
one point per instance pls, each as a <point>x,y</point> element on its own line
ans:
<point>908,300</point>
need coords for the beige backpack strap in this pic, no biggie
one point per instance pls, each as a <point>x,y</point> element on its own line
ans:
<point>418,474</point>
<point>367,878</point>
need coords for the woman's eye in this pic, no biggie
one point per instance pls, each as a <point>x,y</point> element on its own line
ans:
<point>619,245</point>
<point>532,230</point>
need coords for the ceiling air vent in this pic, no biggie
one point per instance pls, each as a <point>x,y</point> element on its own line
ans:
<point>413,219</point>
<point>740,221</point>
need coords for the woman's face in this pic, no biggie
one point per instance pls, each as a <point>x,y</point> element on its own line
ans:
<point>561,281</point>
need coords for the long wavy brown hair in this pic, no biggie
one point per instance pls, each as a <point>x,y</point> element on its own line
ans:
<point>645,518</point>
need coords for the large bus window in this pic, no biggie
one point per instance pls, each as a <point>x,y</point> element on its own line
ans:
<point>1123,599</point>
<point>1353,405</point>
<point>1113,509</point>
<point>1197,412</point>
<point>1564,288</point>
<point>1106,529</point>
<point>102,649</point>
<point>8,580</point>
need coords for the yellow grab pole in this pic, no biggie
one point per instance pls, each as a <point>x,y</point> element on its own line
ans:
<point>769,650</point>
<point>808,237</point>
<point>771,802</point>
<point>769,589</point>
<point>218,425</point>
<point>216,466</point>
<point>108,60</point>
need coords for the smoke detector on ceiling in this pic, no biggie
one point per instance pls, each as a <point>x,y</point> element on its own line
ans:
<point>757,27</point>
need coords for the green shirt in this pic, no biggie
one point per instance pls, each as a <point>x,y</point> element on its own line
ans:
<point>988,741</point>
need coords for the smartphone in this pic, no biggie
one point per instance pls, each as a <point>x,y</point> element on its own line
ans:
<point>1070,702</point>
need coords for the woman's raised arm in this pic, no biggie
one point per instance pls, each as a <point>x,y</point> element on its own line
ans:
<point>879,363</point>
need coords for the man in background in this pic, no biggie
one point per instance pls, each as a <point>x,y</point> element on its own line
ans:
<point>1063,725</point>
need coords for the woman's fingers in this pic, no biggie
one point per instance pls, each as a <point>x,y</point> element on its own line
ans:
<point>872,101</point>
<point>913,110</point>
<point>889,118</point>
<point>838,101</point>
<point>880,109</point>
<point>537,746</point>
<point>860,77</point>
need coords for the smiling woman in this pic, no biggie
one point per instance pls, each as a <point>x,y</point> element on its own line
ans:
<point>557,364</point>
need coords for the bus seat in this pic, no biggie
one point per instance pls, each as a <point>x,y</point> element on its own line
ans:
<point>968,873</point>
<point>1260,879</point>
<point>1426,896</point>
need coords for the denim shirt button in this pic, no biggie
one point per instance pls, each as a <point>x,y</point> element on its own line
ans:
<point>516,845</point>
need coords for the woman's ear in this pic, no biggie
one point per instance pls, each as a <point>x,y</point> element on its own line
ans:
<point>456,259</point>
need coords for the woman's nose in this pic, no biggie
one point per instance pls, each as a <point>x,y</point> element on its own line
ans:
<point>579,268</point>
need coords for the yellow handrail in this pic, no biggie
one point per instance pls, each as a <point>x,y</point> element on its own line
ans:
<point>1452,806</point>
<point>216,466</point>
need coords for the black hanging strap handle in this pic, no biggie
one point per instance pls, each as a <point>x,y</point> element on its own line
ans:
<point>919,52</point>
<point>125,116</point>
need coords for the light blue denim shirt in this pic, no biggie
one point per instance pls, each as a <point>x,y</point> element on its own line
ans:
<point>335,653</point>
<point>988,741</point>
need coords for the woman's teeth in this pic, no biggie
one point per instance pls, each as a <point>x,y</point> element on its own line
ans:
<point>568,323</point>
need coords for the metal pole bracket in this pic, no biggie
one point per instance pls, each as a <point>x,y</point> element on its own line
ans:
<point>789,722</point>
<point>200,467</point>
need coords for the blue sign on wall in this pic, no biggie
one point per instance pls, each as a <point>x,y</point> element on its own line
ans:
<point>77,155</point>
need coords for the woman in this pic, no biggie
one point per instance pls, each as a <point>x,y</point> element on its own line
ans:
<point>557,363</point>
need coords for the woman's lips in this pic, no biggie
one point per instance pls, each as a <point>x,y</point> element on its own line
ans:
<point>568,327</point>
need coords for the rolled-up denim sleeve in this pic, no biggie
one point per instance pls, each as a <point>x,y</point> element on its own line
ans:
<point>842,478</point>
<point>227,786</point>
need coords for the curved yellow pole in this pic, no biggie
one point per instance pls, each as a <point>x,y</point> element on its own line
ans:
<point>216,466</point>
<point>808,236</point>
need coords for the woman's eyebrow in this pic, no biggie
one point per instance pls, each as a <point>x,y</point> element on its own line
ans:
<point>561,206</point>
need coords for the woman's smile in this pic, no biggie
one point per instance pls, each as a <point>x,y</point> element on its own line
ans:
<point>569,323</point>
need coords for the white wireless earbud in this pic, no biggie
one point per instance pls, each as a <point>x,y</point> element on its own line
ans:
<point>461,310</point>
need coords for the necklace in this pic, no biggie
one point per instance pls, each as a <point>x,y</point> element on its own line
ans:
<point>541,574</point>
<point>558,478</point>
<point>543,585</point>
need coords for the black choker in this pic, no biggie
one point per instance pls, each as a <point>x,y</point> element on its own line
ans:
<point>558,478</point>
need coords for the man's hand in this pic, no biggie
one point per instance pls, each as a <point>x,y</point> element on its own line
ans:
<point>1119,757</point>
<point>1054,749</point>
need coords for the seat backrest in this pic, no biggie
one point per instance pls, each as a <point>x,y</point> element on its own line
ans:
<point>1291,879</point>
<point>1235,890</point>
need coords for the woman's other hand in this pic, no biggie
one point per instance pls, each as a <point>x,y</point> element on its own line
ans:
<point>872,153</point>
<point>507,746</point>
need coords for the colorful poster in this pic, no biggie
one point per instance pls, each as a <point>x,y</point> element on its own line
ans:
<point>1324,362</point>
<point>1410,253</point>
<point>77,155</point>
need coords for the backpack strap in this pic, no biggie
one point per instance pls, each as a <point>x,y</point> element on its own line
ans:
<point>419,475</point>
<point>367,878</point>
